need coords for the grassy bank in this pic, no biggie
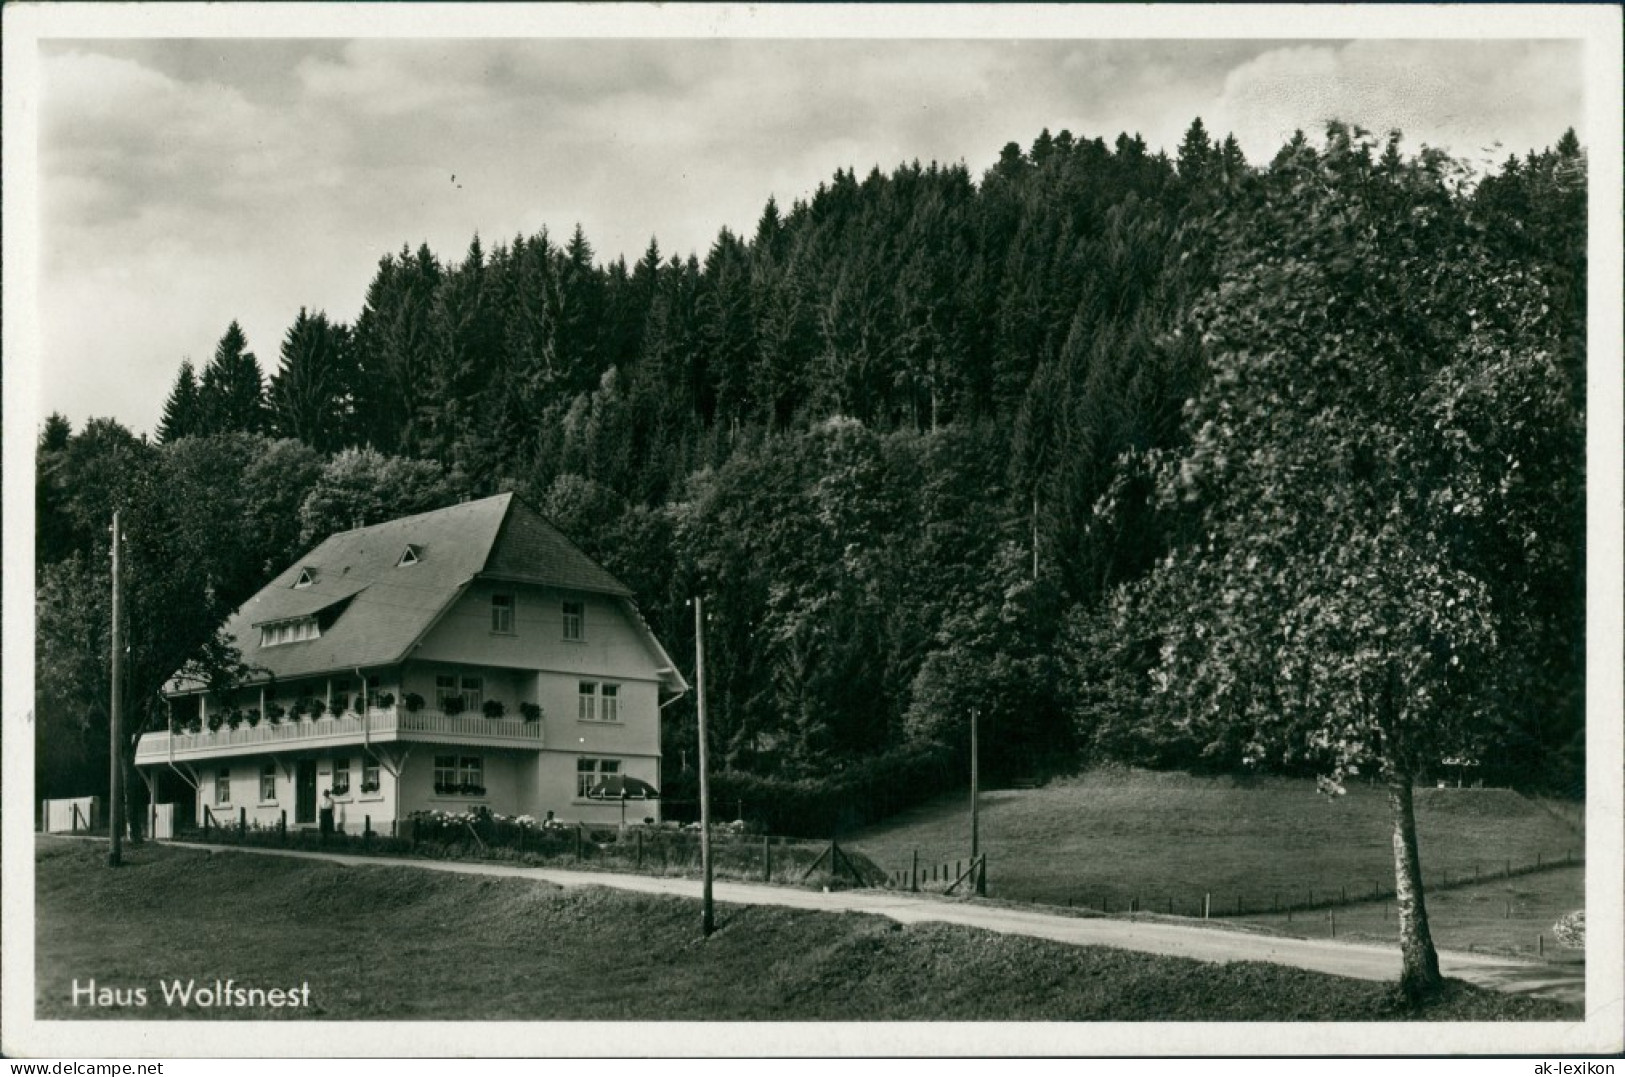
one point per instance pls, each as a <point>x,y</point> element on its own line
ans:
<point>1115,836</point>
<point>402,944</point>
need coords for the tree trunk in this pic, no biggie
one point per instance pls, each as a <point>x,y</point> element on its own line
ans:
<point>1419,973</point>
<point>135,800</point>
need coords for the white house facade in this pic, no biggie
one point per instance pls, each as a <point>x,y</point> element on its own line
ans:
<point>462,658</point>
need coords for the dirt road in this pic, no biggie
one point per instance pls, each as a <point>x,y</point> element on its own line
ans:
<point>1357,960</point>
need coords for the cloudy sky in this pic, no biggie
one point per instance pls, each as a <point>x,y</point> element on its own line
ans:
<point>184,183</point>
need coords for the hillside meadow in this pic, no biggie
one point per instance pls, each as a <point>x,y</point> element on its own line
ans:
<point>1111,836</point>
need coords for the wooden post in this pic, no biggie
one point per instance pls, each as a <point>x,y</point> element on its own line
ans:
<point>640,850</point>
<point>975,831</point>
<point>914,873</point>
<point>578,841</point>
<point>366,831</point>
<point>1170,906</point>
<point>115,732</point>
<point>767,859</point>
<point>1540,945</point>
<point>708,921</point>
<point>282,826</point>
<point>1207,902</point>
<point>242,823</point>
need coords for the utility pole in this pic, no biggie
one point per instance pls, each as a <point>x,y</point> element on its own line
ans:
<point>115,785</point>
<point>975,834</point>
<point>708,914</point>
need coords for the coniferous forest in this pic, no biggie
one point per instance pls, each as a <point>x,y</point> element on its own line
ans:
<point>1180,460</point>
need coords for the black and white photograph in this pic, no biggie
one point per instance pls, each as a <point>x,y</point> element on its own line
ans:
<point>677,530</point>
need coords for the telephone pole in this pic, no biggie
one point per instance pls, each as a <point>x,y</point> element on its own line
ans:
<point>115,785</point>
<point>975,829</point>
<point>708,914</point>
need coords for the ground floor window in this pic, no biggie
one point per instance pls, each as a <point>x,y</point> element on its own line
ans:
<point>589,772</point>
<point>268,781</point>
<point>369,775</point>
<point>459,775</point>
<point>222,786</point>
<point>341,777</point>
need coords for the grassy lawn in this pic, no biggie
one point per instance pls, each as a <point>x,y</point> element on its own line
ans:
<point>402,943</point>
<point>1119,835</point>
<point>1503,916</point>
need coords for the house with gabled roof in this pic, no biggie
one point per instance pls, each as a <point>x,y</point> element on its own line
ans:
<point>468,657</point>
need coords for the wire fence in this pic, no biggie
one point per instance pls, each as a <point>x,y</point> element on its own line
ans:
<point>668,849</point>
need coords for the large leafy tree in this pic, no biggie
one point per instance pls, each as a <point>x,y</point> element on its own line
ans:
<point>1325,600</point>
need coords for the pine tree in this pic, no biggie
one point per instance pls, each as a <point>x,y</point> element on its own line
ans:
<point>312,393</point>
<point>232,396</point>
<point>181,416</point>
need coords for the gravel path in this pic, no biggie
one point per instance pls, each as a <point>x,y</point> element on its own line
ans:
<point>1358,960</point>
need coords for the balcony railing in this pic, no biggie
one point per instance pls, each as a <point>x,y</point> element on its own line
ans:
<point>378,725</point>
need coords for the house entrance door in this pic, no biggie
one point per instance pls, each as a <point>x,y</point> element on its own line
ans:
<point>304,792</point>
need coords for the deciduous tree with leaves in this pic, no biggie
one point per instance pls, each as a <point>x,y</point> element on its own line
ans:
<point>1323,602</point>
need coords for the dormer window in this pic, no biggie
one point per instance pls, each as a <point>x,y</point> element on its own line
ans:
<point>307,576</point>
<point>294,630</point>
<point>411,556</point>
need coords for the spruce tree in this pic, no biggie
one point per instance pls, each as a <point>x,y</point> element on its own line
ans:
<point>181,410</point>
<point>232,396</point>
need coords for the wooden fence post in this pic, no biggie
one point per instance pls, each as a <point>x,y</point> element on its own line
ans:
<point>1540,945</point>
<point>578,841</point>
<point>914,873</point>
<point>1207,904</point>
<point>366,833</point>
<point>640,850</point>
<point>282,826</point>
<point>242,823</point>
<point>767,859</point>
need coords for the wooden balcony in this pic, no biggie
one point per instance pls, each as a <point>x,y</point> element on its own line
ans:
<point>377,726</point>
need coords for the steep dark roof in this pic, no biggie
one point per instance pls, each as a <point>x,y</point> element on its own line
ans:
<point>531,550</point>
<point>390,607</point>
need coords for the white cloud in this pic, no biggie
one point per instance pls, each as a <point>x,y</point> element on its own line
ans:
<point>192,184</point>
<point>1463,96</point>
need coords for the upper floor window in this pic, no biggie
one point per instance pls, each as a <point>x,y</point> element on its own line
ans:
<point>294,630</point>
<point>574,615</point>
<point>502,614</point>
<point>598,702</point>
